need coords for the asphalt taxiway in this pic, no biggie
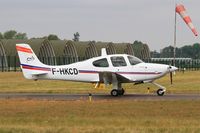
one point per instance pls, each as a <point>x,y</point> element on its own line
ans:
<point>50,96</point>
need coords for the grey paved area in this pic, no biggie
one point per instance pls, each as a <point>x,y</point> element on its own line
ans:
<point>48,96</point>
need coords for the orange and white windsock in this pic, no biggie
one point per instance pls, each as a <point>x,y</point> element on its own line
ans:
<point>182,12</point>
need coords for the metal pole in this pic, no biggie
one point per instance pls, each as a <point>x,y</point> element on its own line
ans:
<point>175,36</point>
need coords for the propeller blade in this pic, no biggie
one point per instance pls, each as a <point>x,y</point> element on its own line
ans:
<point>171,79</point>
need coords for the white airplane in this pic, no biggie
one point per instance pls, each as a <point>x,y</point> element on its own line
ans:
<point>108,69</point>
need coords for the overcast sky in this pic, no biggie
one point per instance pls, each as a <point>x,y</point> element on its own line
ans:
<point>149,21</point>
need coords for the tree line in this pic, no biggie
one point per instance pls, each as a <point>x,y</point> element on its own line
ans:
<point>187,51</point>
<point>12,34</point>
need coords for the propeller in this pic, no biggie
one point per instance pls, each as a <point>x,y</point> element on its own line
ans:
<point>171,79</point>
<point>170,75</point>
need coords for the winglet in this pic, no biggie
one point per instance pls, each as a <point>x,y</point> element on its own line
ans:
<point>103,52</point>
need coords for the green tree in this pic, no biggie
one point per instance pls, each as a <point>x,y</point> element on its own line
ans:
<point>21,36</point>
<point>155,54</point>
<point>187,51</point>
<point>9,34</point>
<point>136,42</point>
<point>196,49</point>
<point>167,52</point>
<point>138,49</point>
<point>76,37</point>
<point>53,37</point>
<point>1,36</point>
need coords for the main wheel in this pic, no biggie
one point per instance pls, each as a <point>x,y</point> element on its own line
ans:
<point>160,92</point>
<point>114,92</point>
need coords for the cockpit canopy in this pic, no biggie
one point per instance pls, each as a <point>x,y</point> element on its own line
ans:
<point>117,61</point>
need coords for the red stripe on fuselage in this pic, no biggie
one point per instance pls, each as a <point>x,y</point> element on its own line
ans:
<point>87,72</point>
<point>35,68</point>
<point>22,49</point>
<point>140,73</point>
<point>136,73</point>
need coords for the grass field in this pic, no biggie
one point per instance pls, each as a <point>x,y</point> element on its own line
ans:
<point>28,116</point>
<point>189,82</point>
<point>102,116</point>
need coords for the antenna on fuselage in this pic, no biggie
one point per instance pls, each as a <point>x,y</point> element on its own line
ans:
<point>103,52</point>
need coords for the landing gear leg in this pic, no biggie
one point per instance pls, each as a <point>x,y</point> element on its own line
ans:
<point>121,91</point>
<point>117,87</point>
<point>161,90</point>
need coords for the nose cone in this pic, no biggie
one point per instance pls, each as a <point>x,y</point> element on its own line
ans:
<point>172,68</point>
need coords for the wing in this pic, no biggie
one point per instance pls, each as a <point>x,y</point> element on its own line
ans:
<point>108,77</point>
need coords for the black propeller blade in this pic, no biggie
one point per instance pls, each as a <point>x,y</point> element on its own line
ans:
<point>170,75</point>
<point>171,79</point>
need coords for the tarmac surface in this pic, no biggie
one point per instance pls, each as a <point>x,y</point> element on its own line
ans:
<point>52,96</point>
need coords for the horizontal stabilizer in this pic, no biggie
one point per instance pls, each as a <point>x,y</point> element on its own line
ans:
<point>38,73</point>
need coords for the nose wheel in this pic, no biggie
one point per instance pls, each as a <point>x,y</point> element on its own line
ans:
<point>160,92</point>
<point>117,92</point>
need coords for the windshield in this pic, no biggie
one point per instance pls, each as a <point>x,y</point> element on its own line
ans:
<point>134,60</point>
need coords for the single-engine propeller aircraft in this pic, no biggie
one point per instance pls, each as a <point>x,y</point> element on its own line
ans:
<point>108,69</point>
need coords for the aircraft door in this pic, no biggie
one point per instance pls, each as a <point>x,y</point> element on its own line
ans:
<point>118,63</point>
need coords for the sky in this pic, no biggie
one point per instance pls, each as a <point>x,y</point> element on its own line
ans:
<point>149,21</point>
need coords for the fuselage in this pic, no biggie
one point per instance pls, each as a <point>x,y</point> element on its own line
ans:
<point>130,67</point>
<point>108,69</point>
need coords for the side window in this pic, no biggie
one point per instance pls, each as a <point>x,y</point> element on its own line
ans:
<point>118,61</point>
<point>101,63</point>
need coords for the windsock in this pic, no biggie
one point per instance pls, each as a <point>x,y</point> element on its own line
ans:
<point>182,12</point>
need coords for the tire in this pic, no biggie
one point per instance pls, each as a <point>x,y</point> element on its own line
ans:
<point>160,92</point>
<point>114,92</point>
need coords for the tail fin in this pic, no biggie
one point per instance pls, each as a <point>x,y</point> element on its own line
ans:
<point>30,64</point>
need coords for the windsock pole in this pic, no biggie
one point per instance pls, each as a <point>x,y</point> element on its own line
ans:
<point>174,35</point>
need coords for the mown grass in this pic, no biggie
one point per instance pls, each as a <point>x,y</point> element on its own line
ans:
<point>104,116</point>
<point>189,82</point>
<point>116,116</point>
